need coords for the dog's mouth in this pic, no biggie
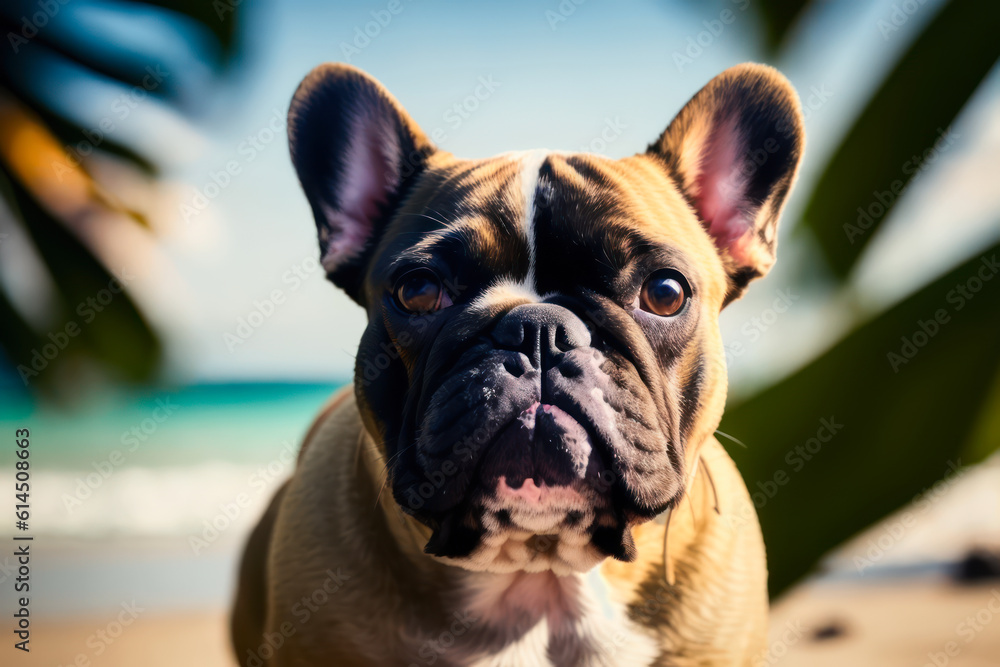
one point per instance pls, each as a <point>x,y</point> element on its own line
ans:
<point>543,446</point>
<point>542,473</point>
<point>540,499</point>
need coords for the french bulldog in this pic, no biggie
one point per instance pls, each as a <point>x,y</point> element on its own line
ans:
<point>525,470</point>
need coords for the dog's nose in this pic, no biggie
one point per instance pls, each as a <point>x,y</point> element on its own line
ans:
<point>540,330</point>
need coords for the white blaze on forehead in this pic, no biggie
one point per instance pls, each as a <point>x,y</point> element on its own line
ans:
<point>506,289</point>
<point>531,165</point>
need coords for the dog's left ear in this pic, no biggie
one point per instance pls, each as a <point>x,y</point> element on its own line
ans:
<point>733,151</point>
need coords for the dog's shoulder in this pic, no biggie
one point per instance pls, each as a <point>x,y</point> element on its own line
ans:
<point>339,402</point>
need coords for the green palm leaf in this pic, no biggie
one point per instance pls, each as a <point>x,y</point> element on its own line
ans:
<point>902,129</point>
<point>907,390</point>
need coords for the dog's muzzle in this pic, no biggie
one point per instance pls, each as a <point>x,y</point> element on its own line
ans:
<point>519,438</point>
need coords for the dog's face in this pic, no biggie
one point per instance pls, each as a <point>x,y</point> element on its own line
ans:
<point>542,345</point>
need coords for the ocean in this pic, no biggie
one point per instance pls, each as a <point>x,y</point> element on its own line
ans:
<point>155,463</point>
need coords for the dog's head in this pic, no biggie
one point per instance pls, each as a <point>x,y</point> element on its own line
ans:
<point>542,343</point>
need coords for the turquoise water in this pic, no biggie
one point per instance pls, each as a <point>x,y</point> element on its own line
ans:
<point>239,422</point>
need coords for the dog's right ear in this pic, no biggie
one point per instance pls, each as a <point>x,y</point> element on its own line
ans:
<point>733,151</point>
<point>355,150</point>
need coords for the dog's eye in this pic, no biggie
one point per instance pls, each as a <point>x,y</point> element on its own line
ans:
<point>420,291</point>
<point>664,293</point>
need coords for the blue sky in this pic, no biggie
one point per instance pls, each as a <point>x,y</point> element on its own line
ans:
<point>558,79</point>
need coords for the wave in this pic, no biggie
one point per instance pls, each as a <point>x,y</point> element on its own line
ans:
<point>216,499</point>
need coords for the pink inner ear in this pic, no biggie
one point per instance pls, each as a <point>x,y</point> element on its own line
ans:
<point>372,175</point>
<point>721,193</point>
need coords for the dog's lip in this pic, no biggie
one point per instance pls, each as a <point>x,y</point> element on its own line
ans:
<point>549,463</point>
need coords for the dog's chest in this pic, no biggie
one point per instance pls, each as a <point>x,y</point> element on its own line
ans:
<point>542,620</point>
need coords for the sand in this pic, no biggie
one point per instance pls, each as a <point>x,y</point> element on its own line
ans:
<point>195,639</point>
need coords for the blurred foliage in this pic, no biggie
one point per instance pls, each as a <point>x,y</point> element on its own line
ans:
<point>45,183</point>
<point>778,17</point>
<point>904,419</point>
<point>902,129</point>
<point>904,392</point>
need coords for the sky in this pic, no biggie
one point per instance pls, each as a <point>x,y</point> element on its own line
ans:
<point>236,240</point>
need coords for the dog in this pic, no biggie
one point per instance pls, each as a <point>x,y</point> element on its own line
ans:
<point>525,470</point>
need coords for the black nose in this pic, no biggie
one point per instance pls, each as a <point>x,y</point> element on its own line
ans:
<point>540,330</point>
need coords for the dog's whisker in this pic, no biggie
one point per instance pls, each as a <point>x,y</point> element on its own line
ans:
<point>737,441</point>
<point>711,483</point>
<point>437,213</point>
<point>668,570</point>
<point>422,215</point>
<point>378,496</point>
<point>385,470</point>
<point>392,458</point>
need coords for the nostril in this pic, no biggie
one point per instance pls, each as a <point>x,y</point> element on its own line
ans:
<point>514,367</point>
<point>571,336</point>
<point>538,330</point>
<point>569,371</point>
<point>562,340</point>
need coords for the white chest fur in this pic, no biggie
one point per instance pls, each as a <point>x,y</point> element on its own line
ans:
<point>541,619</point>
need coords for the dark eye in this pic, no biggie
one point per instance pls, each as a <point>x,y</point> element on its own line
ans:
<point>420,291</point>
<point>664,293</point>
